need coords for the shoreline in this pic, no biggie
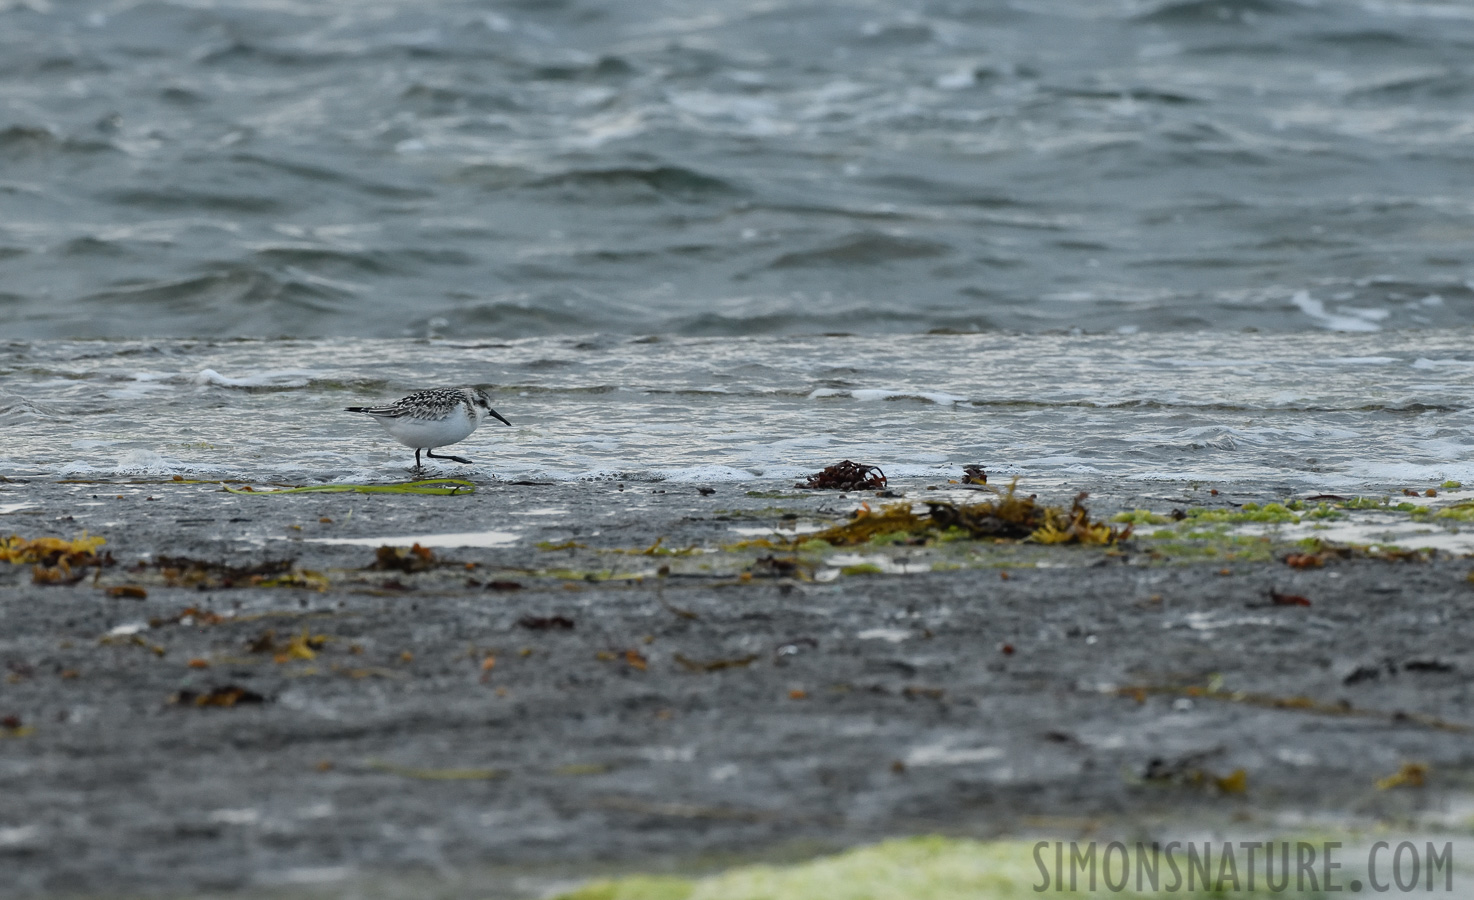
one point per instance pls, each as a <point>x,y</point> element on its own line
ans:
<point>543,705</point>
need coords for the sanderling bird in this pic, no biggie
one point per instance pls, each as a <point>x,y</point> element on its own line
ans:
<point>428,419</point>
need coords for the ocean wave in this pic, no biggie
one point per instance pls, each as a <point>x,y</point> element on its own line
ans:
<point>1218,12</point>
<point>678,182</point>
<point>15,410</point>
<point>863,249</point>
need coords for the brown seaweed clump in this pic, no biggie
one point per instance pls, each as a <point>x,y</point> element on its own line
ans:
<point>54,559</point>
<point>1007,517</point>
<point>50,551</point>
<point>404,559</point>
<point>183,571</point>
<point>845,476</point>
<point>867,524</point>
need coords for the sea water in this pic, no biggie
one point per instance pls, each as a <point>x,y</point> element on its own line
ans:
<point>1301,412</point>
<point>1212,240</point>
<point>477,169</point>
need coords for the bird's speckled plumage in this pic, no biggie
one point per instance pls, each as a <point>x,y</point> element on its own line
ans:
<point>428,419</point>
<point>435,404</point>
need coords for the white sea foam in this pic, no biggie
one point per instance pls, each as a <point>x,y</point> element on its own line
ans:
<point>870,395</point>
<point>281,378</point>
<point>704,474</point>
<point>1346,319</point>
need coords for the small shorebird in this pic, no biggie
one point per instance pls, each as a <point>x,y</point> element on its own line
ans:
<point>428,419</point>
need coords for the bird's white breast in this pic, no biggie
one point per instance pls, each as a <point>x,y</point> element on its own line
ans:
<point>430,433</point>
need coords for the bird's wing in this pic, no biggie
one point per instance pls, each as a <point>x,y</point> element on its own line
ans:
<point>382,412</point>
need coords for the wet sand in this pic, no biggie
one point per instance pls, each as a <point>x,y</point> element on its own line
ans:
<point>497,720</point>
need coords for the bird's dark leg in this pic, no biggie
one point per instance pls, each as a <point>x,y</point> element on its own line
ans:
<point>459,459</point>
<point>418,466</point>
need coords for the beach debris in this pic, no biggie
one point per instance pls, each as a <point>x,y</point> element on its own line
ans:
<point>1427,665</point>
<point>845,476</point>
<point>974,475</point>
<point>1370,673</point>
<point>12,727</point>
<point>714,665</point>
<point>55,561</point>
<point>403,559</point>
<point>546,623</point>
<point>130,591</point>
<point>226,696</point>
<point>1075,527</point>
<point>779,567</point>
<point>1189,770</point>
<point>1279,599</point>
<point>299,646</point>
<point>1389,666</point>
<point>1214,690</point>
<point>1007,517</point>
<point>51,551</point>
<point>183,571</point>
<point>866,524</point>
<point>59,574</point>
<point>549,546</point>
<point>504,586</point>
<point>1411,774</point>
<point>117,638</point>
<point>1305,560</point>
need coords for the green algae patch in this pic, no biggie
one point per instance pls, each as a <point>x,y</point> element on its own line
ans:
<point>920,868</point>
<point>1460,512</point>
<point>636,887</point>
<point>862,569</point>
<point>1324,513</point>
<point>1249,512</point>
<point>1140,517</point>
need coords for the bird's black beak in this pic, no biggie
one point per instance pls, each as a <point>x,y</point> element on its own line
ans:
<point>497,415</point>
